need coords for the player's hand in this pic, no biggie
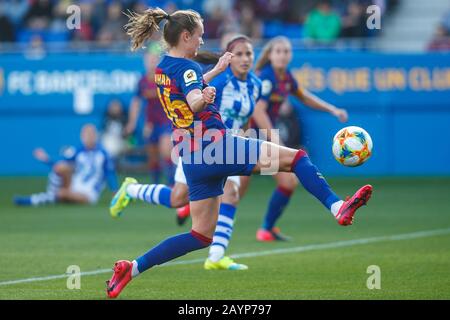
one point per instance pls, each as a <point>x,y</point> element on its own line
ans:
<point>341,114</point>
<point>41,155</point>
<point>209,94</point>
<point>224,62</point>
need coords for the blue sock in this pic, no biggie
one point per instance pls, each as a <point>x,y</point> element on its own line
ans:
<point>223,232</point>
<point>172,248</point>
<point>280,198</point>
<point>312,180</point>
<point>151,193</point>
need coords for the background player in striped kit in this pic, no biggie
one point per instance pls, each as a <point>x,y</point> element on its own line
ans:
<point>79,178</point>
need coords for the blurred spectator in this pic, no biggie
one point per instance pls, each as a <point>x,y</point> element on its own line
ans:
<point>102,20</point>
<point>112,30</point>
<point>272,9</point>
<point>354,22</point>
<point>113,126</point>
<point>58,23</point>
<point>323,24</point>
<point>211,6</point>
<point>15,10</point>
<point>215,23</point>
<point>251,25</point>
<point>6,27</point>
<point>441,40</point>
<point>39,15</point>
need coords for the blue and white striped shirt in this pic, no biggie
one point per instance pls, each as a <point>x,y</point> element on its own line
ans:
<point>236,98</point>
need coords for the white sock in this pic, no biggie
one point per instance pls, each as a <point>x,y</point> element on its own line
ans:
<point>216,253</point>
<point>335,207</point>
<point>221,238</point>
<point>133,190</point>
<point>134,270</point>
<point>42,198</point>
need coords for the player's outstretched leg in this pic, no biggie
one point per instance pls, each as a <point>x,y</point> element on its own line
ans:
<point>298,162</point>
<point>121,199</point>
<point>204,219</point>
<point>157,194</point>
<point>54,184</point>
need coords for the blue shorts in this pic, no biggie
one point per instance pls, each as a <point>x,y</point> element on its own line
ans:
<point>207,169</point>
<point>158,131</point>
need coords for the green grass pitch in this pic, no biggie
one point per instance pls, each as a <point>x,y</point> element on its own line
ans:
<point>321,262</point>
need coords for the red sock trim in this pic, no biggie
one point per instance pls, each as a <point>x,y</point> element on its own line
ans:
<point>206,241</point>
<point>285,191</point>
<point>300,154</point>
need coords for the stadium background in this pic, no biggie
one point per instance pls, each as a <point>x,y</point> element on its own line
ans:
<point>395,83</point>
<point>401,98</point>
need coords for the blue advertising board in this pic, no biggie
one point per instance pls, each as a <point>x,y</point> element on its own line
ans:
<point>403,101</point>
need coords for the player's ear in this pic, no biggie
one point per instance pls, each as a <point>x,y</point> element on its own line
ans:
<point>185,36</point>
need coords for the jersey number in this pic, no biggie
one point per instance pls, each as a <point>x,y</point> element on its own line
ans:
<point>177,111</point>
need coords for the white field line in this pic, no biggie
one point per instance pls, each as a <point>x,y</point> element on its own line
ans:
<point>310,247</point>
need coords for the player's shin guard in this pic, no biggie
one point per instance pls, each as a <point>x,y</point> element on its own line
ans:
<point>172,248</point>
<point>312,180</point>
<point>278,202</point>
<point>222,234</point>
<point>151,193</point>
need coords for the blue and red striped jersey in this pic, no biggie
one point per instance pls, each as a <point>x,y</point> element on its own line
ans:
<point>276,89</point>
<point>175,78</point>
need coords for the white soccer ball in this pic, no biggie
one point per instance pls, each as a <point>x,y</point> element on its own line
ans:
<point>352,146</point>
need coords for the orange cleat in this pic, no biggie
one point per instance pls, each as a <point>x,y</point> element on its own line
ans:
<point>121,277</point>
<point>182,214</point>
<point>349,207</point>
<point>264,235</point>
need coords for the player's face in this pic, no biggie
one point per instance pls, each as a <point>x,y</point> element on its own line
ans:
<point>242,62</point>
<point>194,42</point>
<point>281,55</point>
<point>89,137</point>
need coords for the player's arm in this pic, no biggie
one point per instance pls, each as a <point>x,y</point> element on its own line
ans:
<point>220,67</point>
<point>315,102</point>
<point>199,99</point>
<point>133,114</point>
<point>41,155</point>
<point>262,120</point>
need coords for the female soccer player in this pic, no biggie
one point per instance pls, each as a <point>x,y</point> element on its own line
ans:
<point>210,154</point>
<point>157,128</point>
<point>277,84</point>
<point>237,90</point>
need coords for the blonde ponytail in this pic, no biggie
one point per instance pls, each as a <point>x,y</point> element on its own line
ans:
<point>141,27</point>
